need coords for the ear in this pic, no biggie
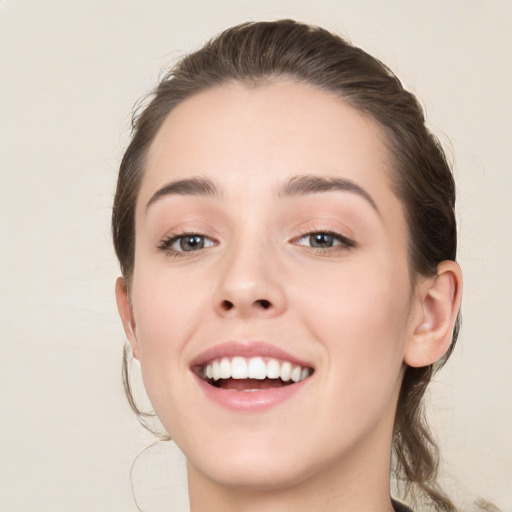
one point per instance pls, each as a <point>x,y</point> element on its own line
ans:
<point>440,298</point>
<point>126,313</point>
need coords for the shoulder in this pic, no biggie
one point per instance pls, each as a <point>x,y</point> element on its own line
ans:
<point>400,507</point>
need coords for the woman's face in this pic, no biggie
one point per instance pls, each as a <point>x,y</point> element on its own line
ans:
<point>268,239</point>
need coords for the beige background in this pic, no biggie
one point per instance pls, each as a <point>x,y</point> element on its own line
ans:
<point>70,72</point>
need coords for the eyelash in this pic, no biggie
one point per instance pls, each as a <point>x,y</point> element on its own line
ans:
<point>166,244</point>
<point>344,243</point>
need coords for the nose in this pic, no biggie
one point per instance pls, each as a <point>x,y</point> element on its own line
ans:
<point>249,284</point>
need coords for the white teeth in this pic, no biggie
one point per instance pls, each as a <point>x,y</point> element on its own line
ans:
<point>239,368</point>
<point>273,369</point>
<point>296,373</point>
<point>286,371</point>
<point>225,368</point>
<point>254,368</point>
<point>257,368</point>
<point>216,370</point>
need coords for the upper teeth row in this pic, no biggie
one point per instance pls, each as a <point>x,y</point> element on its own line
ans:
<point>254,368</point>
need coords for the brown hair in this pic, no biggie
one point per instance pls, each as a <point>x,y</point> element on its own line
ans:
<point>255,53</point>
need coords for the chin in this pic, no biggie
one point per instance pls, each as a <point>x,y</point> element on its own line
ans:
<point>253,471</point>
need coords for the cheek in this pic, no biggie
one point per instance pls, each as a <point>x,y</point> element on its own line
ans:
<point>360,315</point>
<point>167,313</point>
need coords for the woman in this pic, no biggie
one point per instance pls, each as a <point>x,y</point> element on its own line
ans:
<point>285,227</point>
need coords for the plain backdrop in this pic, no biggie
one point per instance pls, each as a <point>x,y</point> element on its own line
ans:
<point>70,73</point>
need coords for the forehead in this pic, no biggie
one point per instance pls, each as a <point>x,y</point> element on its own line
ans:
<point>251,137</point>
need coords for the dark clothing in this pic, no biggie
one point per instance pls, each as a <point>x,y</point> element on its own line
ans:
<point>400,507</point>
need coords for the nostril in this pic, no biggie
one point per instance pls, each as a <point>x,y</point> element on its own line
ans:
<point>227,305</point>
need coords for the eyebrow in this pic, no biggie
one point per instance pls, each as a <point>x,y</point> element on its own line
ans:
<point>296,186</point>
<point>195,186</point>
<point>313,184</point>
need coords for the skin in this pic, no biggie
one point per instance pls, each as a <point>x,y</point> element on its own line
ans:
<point>349,310</point>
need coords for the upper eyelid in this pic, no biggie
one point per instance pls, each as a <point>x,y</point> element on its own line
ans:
<point>344,241</point>
<point>167,241</point>
<point>328,231</point>
<point>179,233</point>
<point>302,234</point>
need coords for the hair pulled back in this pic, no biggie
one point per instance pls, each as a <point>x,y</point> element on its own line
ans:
<point>256,53</point>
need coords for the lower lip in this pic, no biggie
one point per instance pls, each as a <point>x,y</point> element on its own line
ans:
<point>250,400</point>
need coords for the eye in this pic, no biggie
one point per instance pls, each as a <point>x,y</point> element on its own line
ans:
<point>187,242</point>
<point>324,240</point>
<point>321,240</point>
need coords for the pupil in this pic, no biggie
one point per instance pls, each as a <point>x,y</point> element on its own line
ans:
<point>190,243</point>
<point>321,240</point>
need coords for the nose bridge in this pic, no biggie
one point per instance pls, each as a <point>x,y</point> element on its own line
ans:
<point>249,281</point>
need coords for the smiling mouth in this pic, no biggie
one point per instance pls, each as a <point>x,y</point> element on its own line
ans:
<point>252,374</point>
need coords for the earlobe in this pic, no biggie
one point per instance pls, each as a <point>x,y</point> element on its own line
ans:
<point>440,298</point>
<point>125,312</point>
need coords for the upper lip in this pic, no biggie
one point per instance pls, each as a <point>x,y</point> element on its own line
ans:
<point>246,349</point>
